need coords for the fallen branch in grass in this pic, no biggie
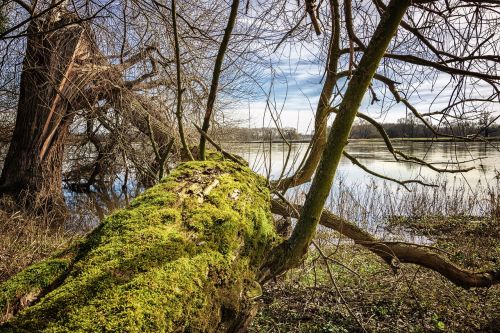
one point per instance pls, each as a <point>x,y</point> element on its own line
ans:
<point>394,253</point>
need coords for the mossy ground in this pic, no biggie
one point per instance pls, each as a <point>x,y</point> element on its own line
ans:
<point>181,257</point>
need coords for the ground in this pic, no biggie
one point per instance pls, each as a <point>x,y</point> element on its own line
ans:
<point>305,300</point>
<point>415,300</point>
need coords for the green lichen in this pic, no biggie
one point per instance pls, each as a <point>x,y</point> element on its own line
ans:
<point>181,257</point>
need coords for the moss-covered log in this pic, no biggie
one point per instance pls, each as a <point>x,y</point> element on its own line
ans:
<point>182,257</point>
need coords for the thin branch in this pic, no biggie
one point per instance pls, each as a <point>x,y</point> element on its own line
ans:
<point>218,147</point>
<point>318,141</point>
<point>371,172</point>
<point>399,154</point>
<point>325,259</point>
<point>26,6</point>
<point>29,19</point>
<point>394,253</point>
<point>178,112</point>
<point>216,74</point>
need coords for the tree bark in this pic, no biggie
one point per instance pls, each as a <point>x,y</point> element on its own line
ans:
<point>32,173</point>
<point>291,252</point>
<point>183,257</point>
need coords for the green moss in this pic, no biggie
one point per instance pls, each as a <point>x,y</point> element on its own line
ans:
<point>180,257</point>
<point>25,286</point>
<point>3,21</point>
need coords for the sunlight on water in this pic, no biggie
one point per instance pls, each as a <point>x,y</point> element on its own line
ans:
<point>375,156</point>
<point>369,200</point>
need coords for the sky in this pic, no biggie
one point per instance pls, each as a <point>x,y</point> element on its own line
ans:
<point>298,84</point>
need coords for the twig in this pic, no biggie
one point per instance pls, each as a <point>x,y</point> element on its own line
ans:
<point>218,147</point>
<point>325,258</point>
<point>178,112</point>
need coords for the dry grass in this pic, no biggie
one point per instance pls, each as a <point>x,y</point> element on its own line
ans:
<point>26,239</point>
<point>362,289</point>
<point>461,220</point>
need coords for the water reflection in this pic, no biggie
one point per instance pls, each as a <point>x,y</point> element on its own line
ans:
<point>369,200</point>
<point>484,157</point>
<point>356,195</point>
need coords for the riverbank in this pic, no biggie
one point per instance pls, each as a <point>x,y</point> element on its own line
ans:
<point>358,291</point>
<point>363,291</point>
<point>440,139</point>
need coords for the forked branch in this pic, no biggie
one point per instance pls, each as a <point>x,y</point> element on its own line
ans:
<point>290,252</point>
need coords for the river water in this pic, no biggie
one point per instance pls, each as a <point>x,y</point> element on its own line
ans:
<point>369,200</point>
<point>485,158</point>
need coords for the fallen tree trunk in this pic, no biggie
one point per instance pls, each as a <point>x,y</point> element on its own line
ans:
<point>184,256</point>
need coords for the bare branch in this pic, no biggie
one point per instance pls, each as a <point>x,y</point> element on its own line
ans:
<point>394,253</point>
<point>178,112</point>
<point>216,74</point>
<point>376,174</point>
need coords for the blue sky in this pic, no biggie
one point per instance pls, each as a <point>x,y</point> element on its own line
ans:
<point>296,91</point>
<point>298,82</point>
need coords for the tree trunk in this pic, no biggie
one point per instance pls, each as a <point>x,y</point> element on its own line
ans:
<point>183,257</point>
<point>32,173</point>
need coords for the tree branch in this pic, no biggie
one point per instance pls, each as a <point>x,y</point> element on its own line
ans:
<point>178,112</point>
<point>394,253</point>
<point>216,74</point>
<point>376,174</point>
<point>318,141</point>
<point>290,252</point>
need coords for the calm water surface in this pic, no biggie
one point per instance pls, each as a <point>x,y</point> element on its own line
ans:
<point>485,158</point>
<point>369,200</point>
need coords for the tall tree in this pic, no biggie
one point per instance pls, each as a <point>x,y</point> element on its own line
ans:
<point>33,167</point>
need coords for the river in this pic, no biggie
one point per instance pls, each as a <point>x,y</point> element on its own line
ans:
<point>370,200</point>
<point>484,157</point>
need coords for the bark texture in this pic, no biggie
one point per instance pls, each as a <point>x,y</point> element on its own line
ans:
<point>32,173</point>
<point>183,257</point>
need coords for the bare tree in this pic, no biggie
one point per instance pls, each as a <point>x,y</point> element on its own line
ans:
<point>389,58</point>
<point>33,165</point>
<point>105,76</point>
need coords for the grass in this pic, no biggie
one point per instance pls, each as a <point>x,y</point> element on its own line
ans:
<point>463,222</point>
<point>25,240</point>
<point>365,293</point>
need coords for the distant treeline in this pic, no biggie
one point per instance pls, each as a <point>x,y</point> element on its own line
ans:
<point>411,129</point>
<point>241,134</point>
<point>404,128</point>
